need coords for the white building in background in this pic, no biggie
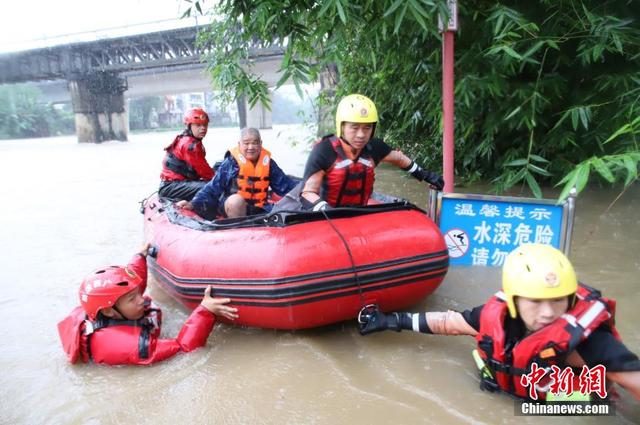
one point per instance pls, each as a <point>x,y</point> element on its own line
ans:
<point>174,107</point>
<point>287,108</point>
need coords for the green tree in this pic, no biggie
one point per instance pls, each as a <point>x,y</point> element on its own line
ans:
<point>546,90</point>
<point>140,109</point>
<point>23,114</point>
<point>62,121</point>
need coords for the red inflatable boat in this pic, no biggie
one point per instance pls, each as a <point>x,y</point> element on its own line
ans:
<point>298,270</point>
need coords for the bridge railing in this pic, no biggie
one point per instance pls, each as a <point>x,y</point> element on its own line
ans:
<point>162,49</point>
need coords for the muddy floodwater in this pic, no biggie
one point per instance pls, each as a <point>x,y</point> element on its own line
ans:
<point>69,208</point>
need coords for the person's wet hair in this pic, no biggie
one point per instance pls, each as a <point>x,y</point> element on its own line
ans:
<point>250,131</point>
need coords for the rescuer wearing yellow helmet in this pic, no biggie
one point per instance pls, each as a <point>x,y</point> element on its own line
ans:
<point>340,168</point>
<point>538,272</point>
<point>543,315</point>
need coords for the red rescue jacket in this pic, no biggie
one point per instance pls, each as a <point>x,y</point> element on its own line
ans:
<point>349,183</point>
<point>547,346</point>
<point>117,342</point>
<point>130,342</point>
<point>185,160</point>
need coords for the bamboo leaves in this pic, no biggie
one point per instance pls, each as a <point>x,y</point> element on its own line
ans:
<point>544,89</point>
<point>607,167</point>
<point>527,171</point>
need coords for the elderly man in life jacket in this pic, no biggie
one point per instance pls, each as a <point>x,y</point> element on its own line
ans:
<point>185,169</point>
<point>340,169</point>
<point>241,185</point>
<point>542,316</point>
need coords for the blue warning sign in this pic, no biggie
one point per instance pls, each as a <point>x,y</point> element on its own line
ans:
<point>481,230</point>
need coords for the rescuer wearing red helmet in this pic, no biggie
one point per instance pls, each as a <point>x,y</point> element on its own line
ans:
<point>185,169</point>
<point>340,168</point>
<point>116,324</point>
<point>542,315</point>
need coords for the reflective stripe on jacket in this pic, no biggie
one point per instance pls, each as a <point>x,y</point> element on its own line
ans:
<point>349,183</point>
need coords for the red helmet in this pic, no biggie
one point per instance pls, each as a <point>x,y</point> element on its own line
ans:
<point>102,288</point>
<point>196,116</point>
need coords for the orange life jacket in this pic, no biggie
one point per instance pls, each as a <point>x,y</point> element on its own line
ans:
<point>253,180</point>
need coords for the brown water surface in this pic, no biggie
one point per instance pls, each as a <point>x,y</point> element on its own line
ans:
<point>69,208</point>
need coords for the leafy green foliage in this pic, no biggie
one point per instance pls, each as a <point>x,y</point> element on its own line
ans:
<point>140,110</point>
<point>543,88</point>
<point>22,115</point>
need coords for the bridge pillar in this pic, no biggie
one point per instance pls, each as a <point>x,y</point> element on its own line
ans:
<point>98,102</point>
<point>258,117</point>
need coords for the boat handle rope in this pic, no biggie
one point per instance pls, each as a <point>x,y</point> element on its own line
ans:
<point>346,245</point>
<point>143,202</point>
<point>366,312</point>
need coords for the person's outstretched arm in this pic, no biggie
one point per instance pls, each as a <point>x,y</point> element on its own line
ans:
<point>400,160</point>
<point>630,381</point>
<point>205,202</point>
<point>138,264</point>
<point>441,323</point>
<point>195,331</point>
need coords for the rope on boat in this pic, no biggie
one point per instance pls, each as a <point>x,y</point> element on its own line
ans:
<point>353,263</point>
<point>143,202</point>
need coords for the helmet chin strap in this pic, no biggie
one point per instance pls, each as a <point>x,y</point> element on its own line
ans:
<point>122,316</point>
<point>342,139</point>
<point>353,150</point>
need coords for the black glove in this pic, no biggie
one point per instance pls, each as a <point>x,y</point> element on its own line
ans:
<point>372,320</point>
<point>152,251</point>
<point>319,205</point>
<point>434,179</point>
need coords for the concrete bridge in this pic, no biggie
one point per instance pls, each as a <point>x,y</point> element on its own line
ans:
<point>97,76</point>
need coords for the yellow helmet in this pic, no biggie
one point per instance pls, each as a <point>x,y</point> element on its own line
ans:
<point>537,271</point>
<point>355,108</point>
